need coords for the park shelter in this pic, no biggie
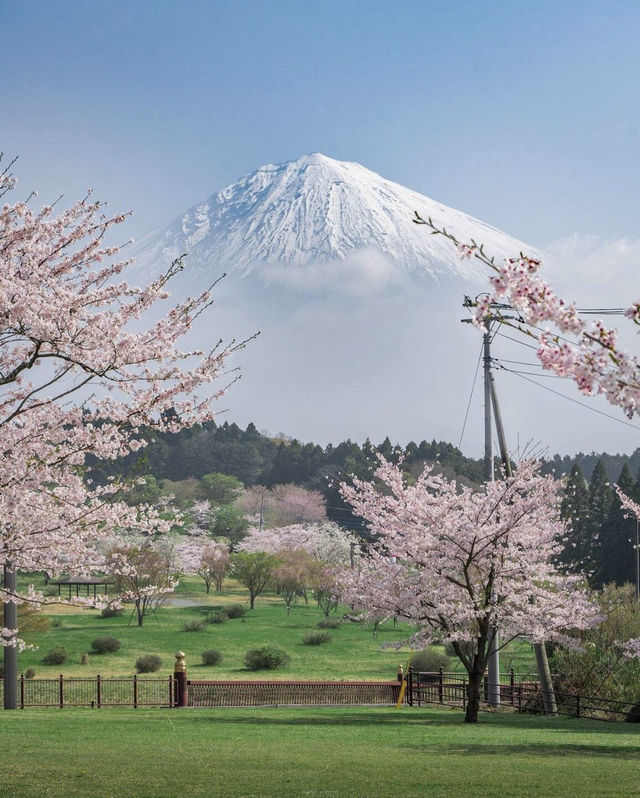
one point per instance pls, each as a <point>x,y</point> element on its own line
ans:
<point>79,581</point>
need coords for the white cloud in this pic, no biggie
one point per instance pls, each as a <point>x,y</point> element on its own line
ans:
<point>363,273</point>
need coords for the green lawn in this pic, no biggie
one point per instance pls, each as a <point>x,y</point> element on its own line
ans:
<point>353,653</point>
<point>311,752</point>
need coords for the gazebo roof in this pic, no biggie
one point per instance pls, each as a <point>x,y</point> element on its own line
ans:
<point>83,580</point>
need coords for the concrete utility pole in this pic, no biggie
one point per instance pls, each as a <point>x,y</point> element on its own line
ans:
<point>493,662</point>
<point>542,661</point>
<point>10,621</point>
<point>491,401</point>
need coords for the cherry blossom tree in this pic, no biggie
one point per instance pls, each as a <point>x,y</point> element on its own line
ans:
<point>459,563</point>
<point>82,372</point>
<point>214,565</point>
<point>145,572</point>
<point>326,541</point>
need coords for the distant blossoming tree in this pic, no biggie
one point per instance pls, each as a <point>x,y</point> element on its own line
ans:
<point>459,563</point>
<point>325,541</point>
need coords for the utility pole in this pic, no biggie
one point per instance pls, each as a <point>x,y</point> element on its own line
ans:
<point>10,620</point>
<point>491,400</point>
<point>493,661</point>
<point>542,661</point>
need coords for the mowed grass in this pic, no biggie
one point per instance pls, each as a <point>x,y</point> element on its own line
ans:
<point>337,752</point>
<point>354,653</point>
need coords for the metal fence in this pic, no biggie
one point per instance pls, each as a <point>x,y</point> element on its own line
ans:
<point>521,693</point>
<point>251,694</point>
<point>95,691</point>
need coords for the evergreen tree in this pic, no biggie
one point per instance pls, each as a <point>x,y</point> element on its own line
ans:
<point>600,501</point>
<point>617,561</point>
<point>578,552</point>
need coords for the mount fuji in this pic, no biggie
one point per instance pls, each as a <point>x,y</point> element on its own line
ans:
<point>359,311</point>
<point>288,219</point>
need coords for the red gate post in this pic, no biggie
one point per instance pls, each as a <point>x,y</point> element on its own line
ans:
<point>180,676</point>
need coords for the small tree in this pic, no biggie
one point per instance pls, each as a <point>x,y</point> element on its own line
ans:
<point>254,571</point>
<point>219,488</point>
<point>293,575</point>
<point>214,565</point>
<point>144,574</point>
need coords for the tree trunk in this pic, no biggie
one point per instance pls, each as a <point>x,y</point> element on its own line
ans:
<point>252,599</point>
<point>473,695</point>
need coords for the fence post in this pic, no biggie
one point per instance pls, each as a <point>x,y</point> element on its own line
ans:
<point>520,698</point>
<point>22,691</point>
<point>180,676</point>
<point>410,687</point>
<point>135,691</point>
<point>578,705</point>
<point>485,684</point>
<point>512,681</point>
<point>61,691</point>
<point>98,690</point>
<point>440,686</point>
<point>464,694</point>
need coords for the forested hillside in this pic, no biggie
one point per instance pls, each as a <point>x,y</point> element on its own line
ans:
<point>601,538</point>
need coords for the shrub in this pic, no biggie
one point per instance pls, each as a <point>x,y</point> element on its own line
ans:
<point>111,612</point>
<point>265,658</point>
<point>30,673</point>
<point>51,590</point>
<point>216,617</point>
<point>193,625</point>
<point>468,647</point>
<point>105,645</point>
<point>329,623</point>
<point>633,715</point>
<point>316,638</point>
<point>211,657</point>
<point>429,659</point>
<point>55,656</point>
<point>84,659</point>
<point>148,663</point>
<point>235,610</point>
<point>56,623</point>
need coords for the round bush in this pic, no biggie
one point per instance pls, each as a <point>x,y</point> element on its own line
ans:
<point>148,663</point>
<point>217,617</point>
<point>30,673</point>
<point>429,660</point>
<point>316,638</point>
<point>211,657</point>
<point>329,623</point>
<point>111,612</point>
<point>84,659</point>
<point>105,645</point>
<point>235,610</point>
<point>56,656</point>
<point>265,658</point>
<point>193,625</point>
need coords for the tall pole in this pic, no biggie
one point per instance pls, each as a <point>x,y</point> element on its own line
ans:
<point>493,660</point>
<point>542,661</point>
<point>10,620</point>
<point>637,547</point>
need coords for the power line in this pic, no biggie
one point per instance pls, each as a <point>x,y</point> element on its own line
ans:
<point>575,401</point>
<point>473,385</point>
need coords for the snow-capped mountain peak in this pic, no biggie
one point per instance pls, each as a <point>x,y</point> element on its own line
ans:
<point>317,210</point>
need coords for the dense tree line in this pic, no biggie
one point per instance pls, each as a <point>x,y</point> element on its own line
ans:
<point>602,536</point>
<point>259,459</point>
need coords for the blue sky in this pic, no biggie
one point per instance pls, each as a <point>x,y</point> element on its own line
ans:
<point>523,114</point>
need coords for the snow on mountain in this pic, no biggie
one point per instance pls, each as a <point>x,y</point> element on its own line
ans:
<point>315,211</point>
<point>359,311</point>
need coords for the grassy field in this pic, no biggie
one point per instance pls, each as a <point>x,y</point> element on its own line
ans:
<point>337,752</point>
<point>353,653</point>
